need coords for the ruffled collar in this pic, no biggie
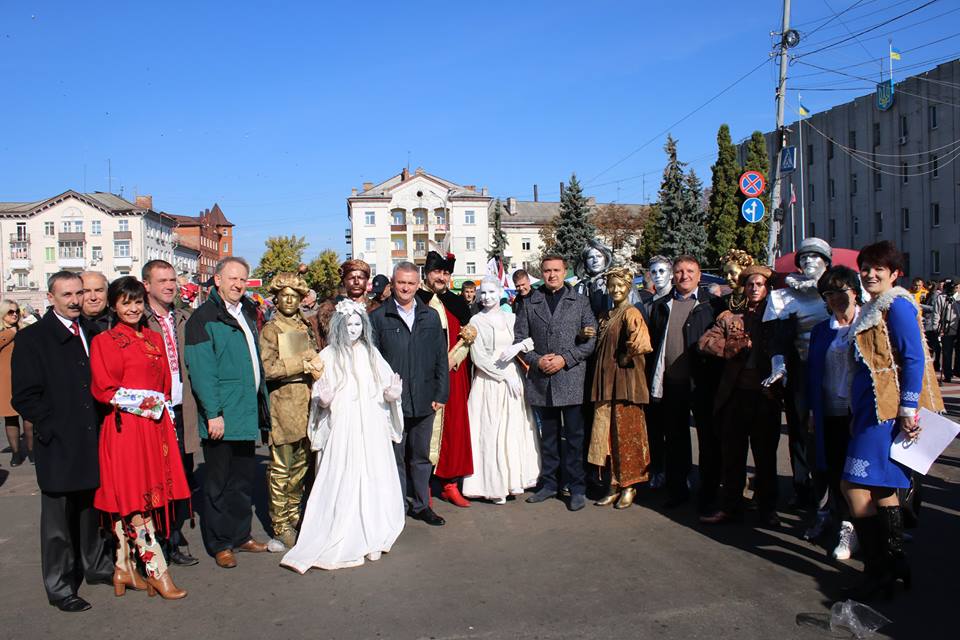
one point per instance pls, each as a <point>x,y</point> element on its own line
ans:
<point>800,282</point>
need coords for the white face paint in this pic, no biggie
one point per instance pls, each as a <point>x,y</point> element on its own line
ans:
<point>660,275</point>
<point>596,262</point>
<point>813,265</point>
<point>489,295</point>
<point>354,327</point>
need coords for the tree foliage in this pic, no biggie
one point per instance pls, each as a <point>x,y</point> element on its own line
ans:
<point>753,237</point>
<point>283,253</point>
<point>724,210</point>
<point>695,217</point>
<point>651,236</point>
<point>572,224</point>
<point>681,205</point>
<point>498,239</point>
<point>618,226</point>
<point>323,274</point>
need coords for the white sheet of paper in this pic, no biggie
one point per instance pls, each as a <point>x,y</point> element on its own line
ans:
<point>938,432</point>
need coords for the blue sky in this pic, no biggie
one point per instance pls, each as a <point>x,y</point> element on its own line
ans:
<point>275,110</point>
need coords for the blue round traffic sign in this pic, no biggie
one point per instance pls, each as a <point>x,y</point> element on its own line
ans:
<point>752,183</point>
<point>752,210</point>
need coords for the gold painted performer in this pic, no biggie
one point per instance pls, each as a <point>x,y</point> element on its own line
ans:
<point>287,347</point>
<point>620,393</point>
<point>733,263</point>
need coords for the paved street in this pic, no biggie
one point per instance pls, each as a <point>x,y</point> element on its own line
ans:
<point>512,571</point>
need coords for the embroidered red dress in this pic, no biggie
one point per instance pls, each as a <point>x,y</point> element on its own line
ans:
<point>140,466</point>
<point>456,453</point>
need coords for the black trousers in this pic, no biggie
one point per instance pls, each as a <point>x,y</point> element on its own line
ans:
<point>229,468</point>
<point>710,456</point>
<point>797,409</point>
<point>413,461</point>
<point>750,417</point>
<point>655,436</point>
<point>71,547</point>
<point>948,347</point>
<point>836,437</point>
<point>933,342</point>
<point>561,448</point>
<point>181,508</point>
<point>674,414</point>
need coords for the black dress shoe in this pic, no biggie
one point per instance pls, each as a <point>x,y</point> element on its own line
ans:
<point>15,459</point>
<point>429,517</point>
<point>182,559</point>
<point>540,496</point>
<point>105,579</point>
<point>72,604</point>
<point>675,501</point>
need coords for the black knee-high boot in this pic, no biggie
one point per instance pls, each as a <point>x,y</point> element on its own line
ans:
<point>891,522</point>
<point>872,549</point>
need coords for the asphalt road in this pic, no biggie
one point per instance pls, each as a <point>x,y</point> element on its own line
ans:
<point>510,571</point>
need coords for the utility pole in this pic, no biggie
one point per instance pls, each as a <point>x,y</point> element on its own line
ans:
<point>775,199</point>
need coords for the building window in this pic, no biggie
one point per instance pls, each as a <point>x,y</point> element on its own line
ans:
<point>95,227</point>
<point>22,280</point>
<point>48,229</point>
<point>96,253</point>
<point>121,248</point>
<point>226,247</point>
<point>877,181</point>
<point>813,193</point>
<point>905,216</point>
<point>65,226</point>
<point>469,217</point>
<point>809,154</point>
<point>934,166</point>
<point>70,249</point>
<point>49,254</point>
<point>853,184</point>
<point>833,228</point>
<point>935,261</point>
<point>419,216</point>
<point>471,268</point>
<point>904,131</point>
<point>878,222</point>
<point>420,245</point>
<point>471,243</point>
<point>369,218</point>
<point>856,226</point>
<point>832,188</point>
<point>934,214</point>
<point>399,244</point>
<point>904,173</point>
<point>852,139</point>
<point>829,149</point>
<point>441,216</point>
<point>373,269</point>
<point>932,116</point>
<point>124,225</point>
<point>399,216</point>
<point>370,244</point>
<point>525,244</point>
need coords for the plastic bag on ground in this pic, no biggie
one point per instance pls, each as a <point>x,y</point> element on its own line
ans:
<point>857,618</point>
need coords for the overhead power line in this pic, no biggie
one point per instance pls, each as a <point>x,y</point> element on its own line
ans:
<point>869,29</point>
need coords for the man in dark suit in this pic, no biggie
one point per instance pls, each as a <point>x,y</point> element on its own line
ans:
<point>562,326</point>
<point>412,340</point>
<point>51,389</point>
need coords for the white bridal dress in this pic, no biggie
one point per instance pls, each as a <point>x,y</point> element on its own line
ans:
<point>355,510</point>
<point>503,434</point>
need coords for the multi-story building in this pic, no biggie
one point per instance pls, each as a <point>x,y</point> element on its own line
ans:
<point>871,175</point>
<point>210,234</point>
<point>77,232</point>
<point>186,261</point>
<point>404,217</point>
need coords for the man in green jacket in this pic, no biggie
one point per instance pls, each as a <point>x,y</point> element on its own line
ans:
<point>223,360</point>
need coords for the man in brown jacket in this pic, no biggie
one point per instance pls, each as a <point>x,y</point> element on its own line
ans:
<point>161,315</point>
<point>287,345</point>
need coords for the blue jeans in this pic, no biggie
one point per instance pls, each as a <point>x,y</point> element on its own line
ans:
<point>561,448</point>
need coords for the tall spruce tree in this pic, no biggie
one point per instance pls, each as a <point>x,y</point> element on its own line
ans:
<point>651,236</point>
<point>572,224</point>
<point>724,212</point>
<point>752,238</point>
<point>498,239</point>
<point>695,218</point>
<point>673,203</point>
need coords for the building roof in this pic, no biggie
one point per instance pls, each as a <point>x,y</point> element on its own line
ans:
<point>217,218</point>
<point>106,202</point>
<point>386,188</point>
<point>522,213</point>
<point>212,217</point>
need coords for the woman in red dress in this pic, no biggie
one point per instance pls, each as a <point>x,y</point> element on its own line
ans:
<point>140,469</point>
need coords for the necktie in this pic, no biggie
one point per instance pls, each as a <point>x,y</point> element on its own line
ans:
<point>75,328</point>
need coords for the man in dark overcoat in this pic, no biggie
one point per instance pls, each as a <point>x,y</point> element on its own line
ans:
<point>51,389</point>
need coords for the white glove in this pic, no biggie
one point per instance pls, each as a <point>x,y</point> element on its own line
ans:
<point>393,392</point>
<point>515,386</point>
<point>510,353</point>
<point>324,392</point>
<point>779,372</point>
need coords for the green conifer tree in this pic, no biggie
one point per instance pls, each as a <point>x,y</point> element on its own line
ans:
<point>724,210</point>
<point>498,239</point>
<point>752,237</point>
<point>695,238</point>
<point>651,238</point>
<point>673,203</point>
<point>572,224</point>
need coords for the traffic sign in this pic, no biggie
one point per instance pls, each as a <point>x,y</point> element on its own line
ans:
<point>255,282</point>
<point>752,184</point>
<point>788,160</point>
<point>752,210</point>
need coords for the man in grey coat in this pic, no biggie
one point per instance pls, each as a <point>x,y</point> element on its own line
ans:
<point>563,329</point>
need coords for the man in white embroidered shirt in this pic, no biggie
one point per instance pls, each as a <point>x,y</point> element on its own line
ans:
<point>223,361</point>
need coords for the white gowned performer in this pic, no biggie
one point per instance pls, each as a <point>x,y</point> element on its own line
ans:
<point>355,510</point>
<point>506,455</point>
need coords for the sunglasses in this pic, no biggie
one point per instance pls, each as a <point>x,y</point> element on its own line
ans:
<point>15,312</point>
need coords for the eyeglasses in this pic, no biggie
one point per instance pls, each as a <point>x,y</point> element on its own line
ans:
<point>834,292</point>
<point>15,312</point>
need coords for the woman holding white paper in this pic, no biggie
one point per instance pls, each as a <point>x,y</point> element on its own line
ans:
<point>892,377</point>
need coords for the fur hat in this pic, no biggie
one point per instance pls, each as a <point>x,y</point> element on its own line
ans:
<point>354,265</point>
<point>435,261</point>
<point>753,270</point>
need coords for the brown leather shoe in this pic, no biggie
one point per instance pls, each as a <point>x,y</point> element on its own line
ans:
<point>165,587</point>
<point>225,559</point>
<point>252,546</point>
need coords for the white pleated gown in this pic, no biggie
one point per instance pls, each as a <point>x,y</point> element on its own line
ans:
<point>355,510</point>
<point>503,433</point>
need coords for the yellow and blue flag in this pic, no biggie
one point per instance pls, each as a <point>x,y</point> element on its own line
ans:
<point>803,110</point>
<point>894,53</point>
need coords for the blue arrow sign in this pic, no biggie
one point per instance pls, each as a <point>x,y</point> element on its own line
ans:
<point>788,159</point>
<point>752,210</point>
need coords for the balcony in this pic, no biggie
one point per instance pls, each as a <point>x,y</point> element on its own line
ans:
<point>398,253</point>
<point>71,236</point>
<point>398,227</point>
<point>440,226</point>
<point>23,238</point>
<point>121,235</point>
<point>419,253</point>
<point>72,262</point>
<point>122,262</point>
<point>419,228</point>
<point>20,263</point>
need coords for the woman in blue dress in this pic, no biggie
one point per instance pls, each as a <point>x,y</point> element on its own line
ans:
<point>892,378</point>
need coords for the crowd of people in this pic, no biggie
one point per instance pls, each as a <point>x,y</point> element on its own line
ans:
<point>399,392</point>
